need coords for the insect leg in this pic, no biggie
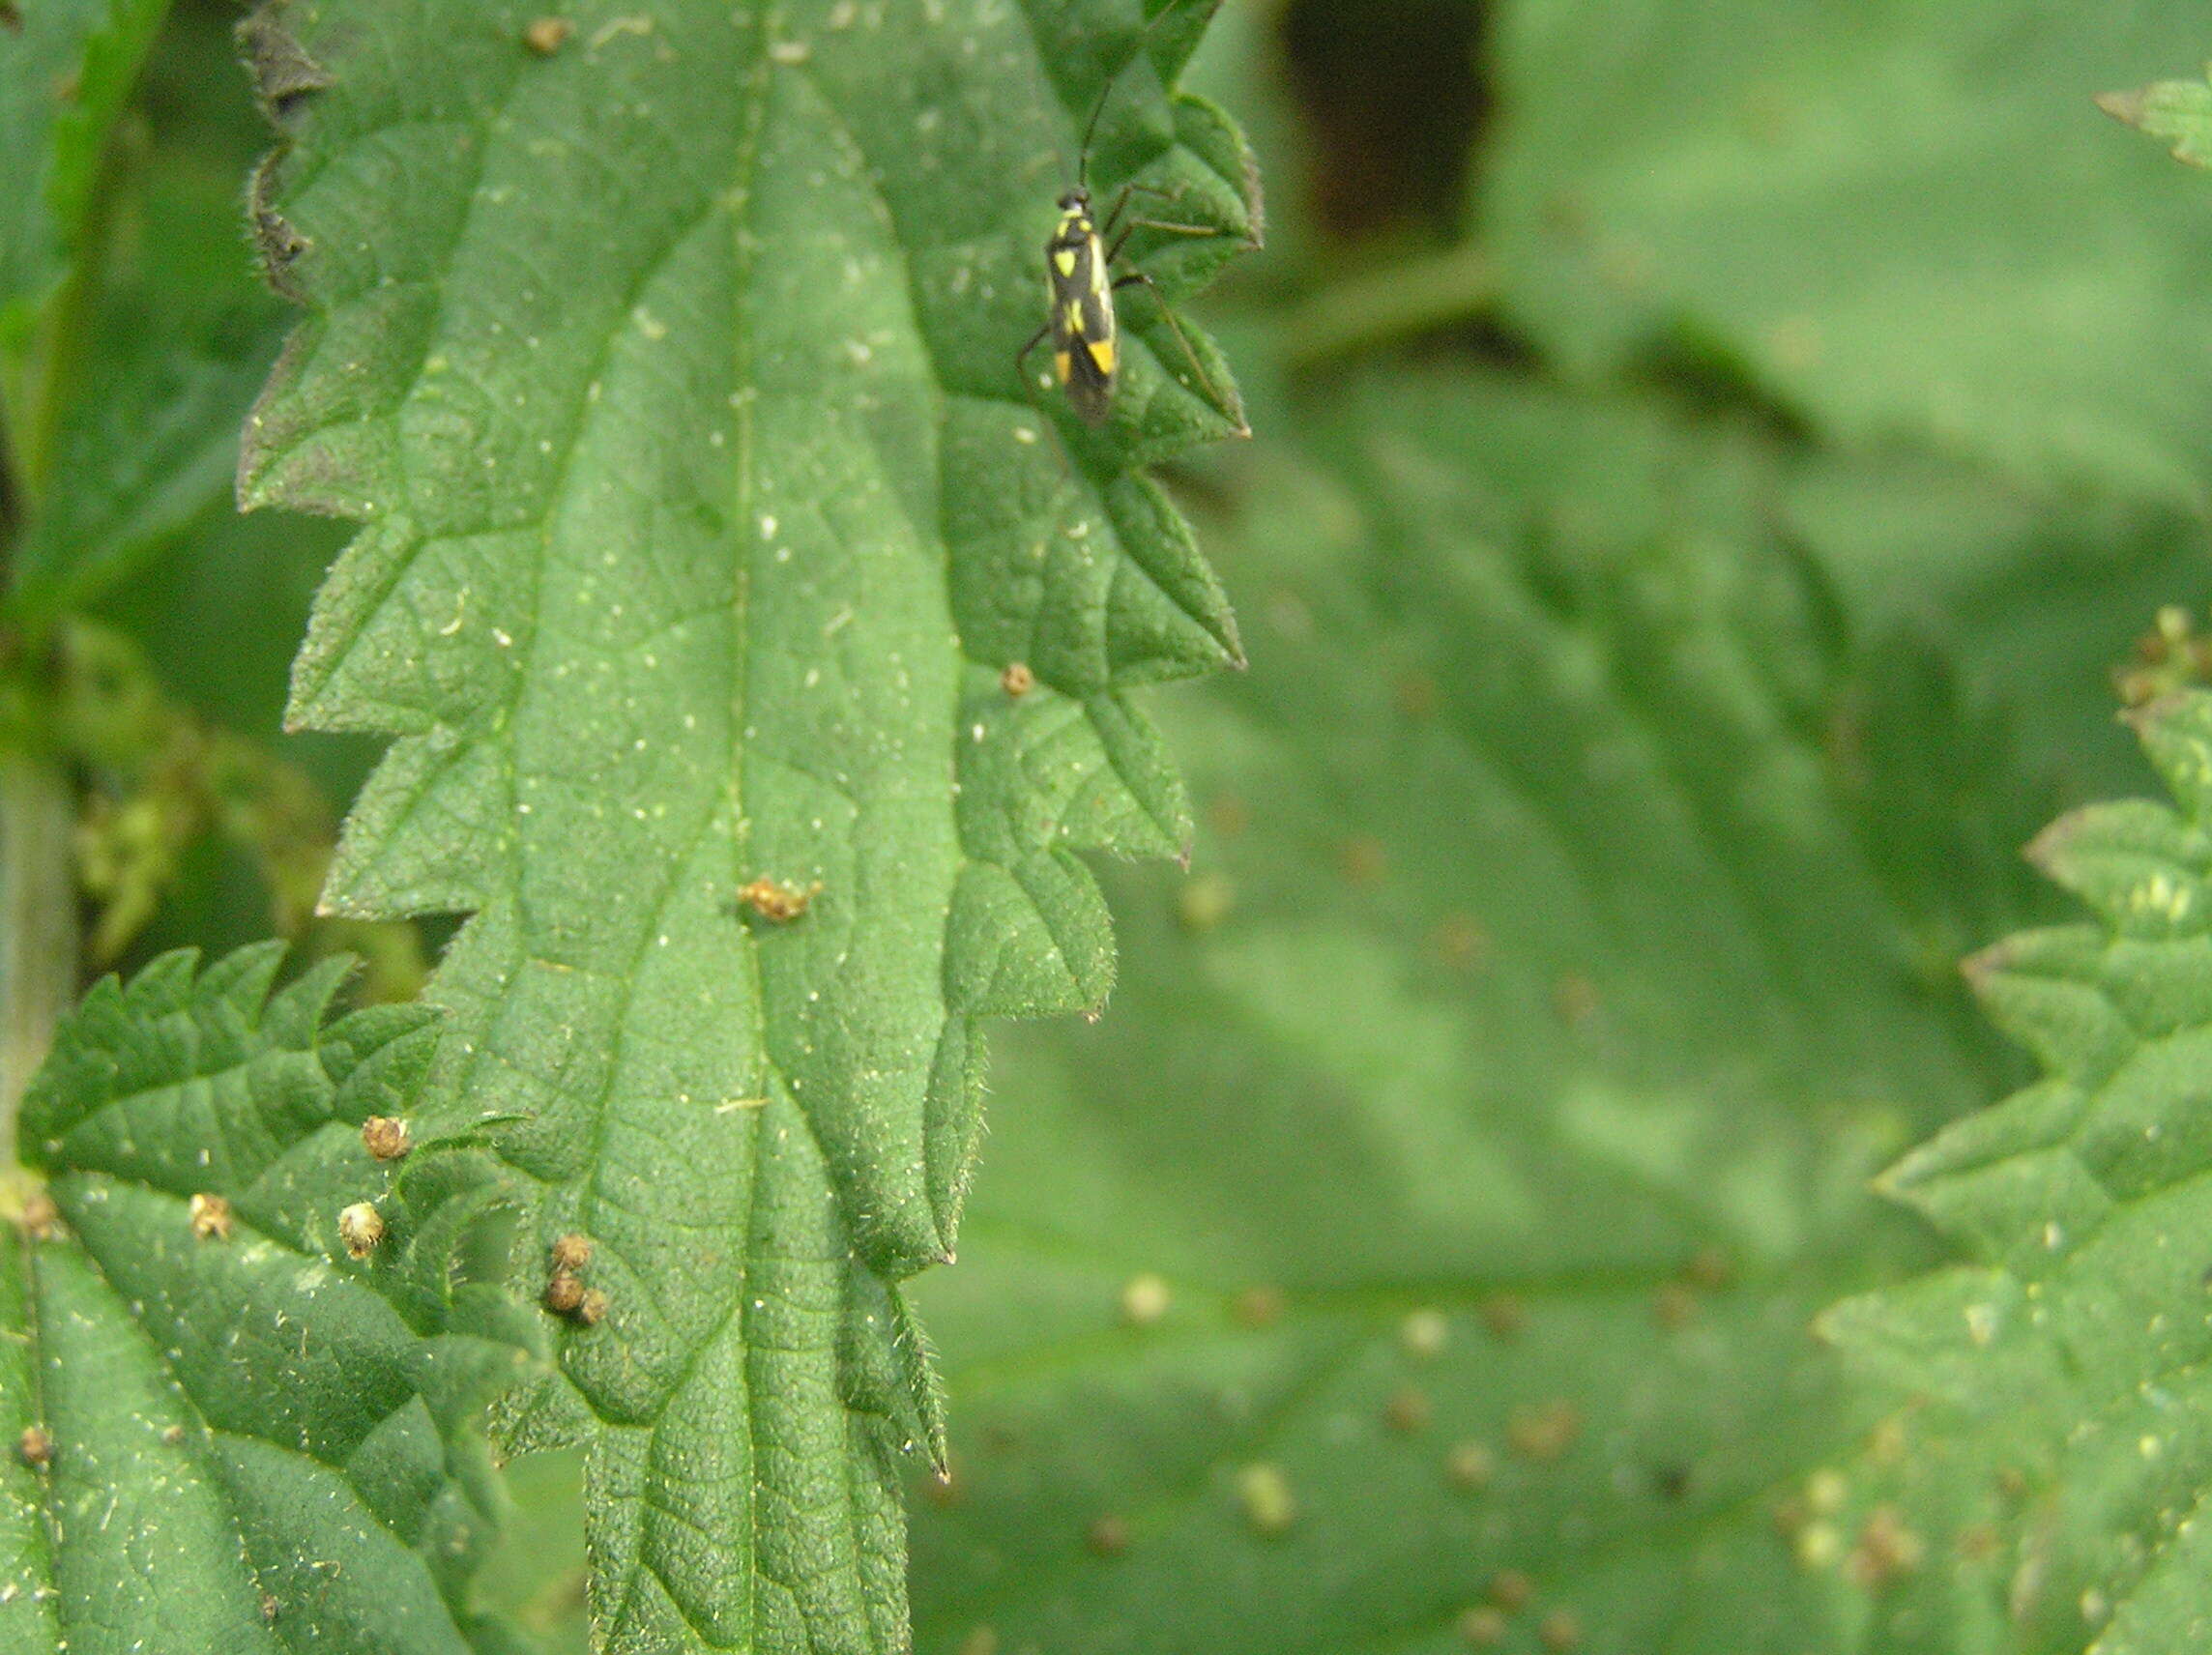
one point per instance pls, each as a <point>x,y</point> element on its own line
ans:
<point>1213,393</point>
<point>1113,253</point>
<point>1022,355</point>
<point>1134,188</point>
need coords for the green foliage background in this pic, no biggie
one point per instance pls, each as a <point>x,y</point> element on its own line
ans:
<point>1540,1179</point>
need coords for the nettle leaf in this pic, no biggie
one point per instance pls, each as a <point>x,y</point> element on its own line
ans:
<point>667,356</point>
<point>1422,1256</point>
<point>226,1432</point>
<point>2051,1455</point>
<point>1909,223</point>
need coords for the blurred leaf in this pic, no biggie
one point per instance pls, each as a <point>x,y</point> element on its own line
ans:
<point>2178,113</point>
<point>1420,1253</point>
<point>247,1440</point>
<point>2050,1452</point>
<point>141,433</point>
<point>1898,220</point>
<point>704,511</point>
<point>66,68</point>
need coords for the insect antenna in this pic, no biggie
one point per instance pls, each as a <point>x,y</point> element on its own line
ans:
<point>1106,94</point>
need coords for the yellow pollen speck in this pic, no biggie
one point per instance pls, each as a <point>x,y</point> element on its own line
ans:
<point>1145,1300</point>
<point>1265,1493</point>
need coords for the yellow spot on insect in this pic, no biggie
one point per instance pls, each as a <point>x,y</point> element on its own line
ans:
<point>1102,353</point>
<point>1061,365</point>
<point>1073,315</point>
<point>1063,261</point>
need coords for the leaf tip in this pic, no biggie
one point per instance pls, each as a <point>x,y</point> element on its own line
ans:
<point>2123,107</point>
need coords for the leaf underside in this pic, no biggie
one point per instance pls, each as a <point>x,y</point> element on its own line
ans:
<point>1421,1257</point>
<point>252,1441</point>
<point>668,365</point>
<point>1911,226</point>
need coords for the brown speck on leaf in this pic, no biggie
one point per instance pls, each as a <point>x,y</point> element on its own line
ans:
<point>1258,1307</point>
<point>1708,1268</point>
<point>66,86</point>
<point>983,1640</point>
<point>1362,860</point>
<point>1559,1630</point>
<point>1461,942</point>
<point>779,904</point>
<point>1545,1432</point>
<point>1576,998</point>
<point>1228,816</point>
<point>1504,1315</point>
<point>545,36</point>
<point>210,1217</point>
<point>1407,1411</point>
<point>39,1219</point>
<point>1017,680</point>
<point>361,1226</point>
<point>172,1435</point>
<point>1790,1515</point>
<point>35,1448</point>
<point>1673,1306</point>
<point>563,1293</point>
<point>11,18</point>
<point>1886,1550</point>
<point>1470,1465</point>
<point>1416,696</point>
<point>1109,1536</point>
<point>1481,1627</point>
<point>593,1310</point>
<point>572,1250</point>
<point>384,1137</point>
<point>1888,1442</point>
<point>269,1607</point>
<point>1510,1590</point>
<point>1979,1542</point>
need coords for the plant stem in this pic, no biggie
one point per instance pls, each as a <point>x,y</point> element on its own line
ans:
<point>39,949</point>
<point>1391,303</point>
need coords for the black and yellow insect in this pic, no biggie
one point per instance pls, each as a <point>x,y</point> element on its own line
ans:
<point>1080,287</point>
